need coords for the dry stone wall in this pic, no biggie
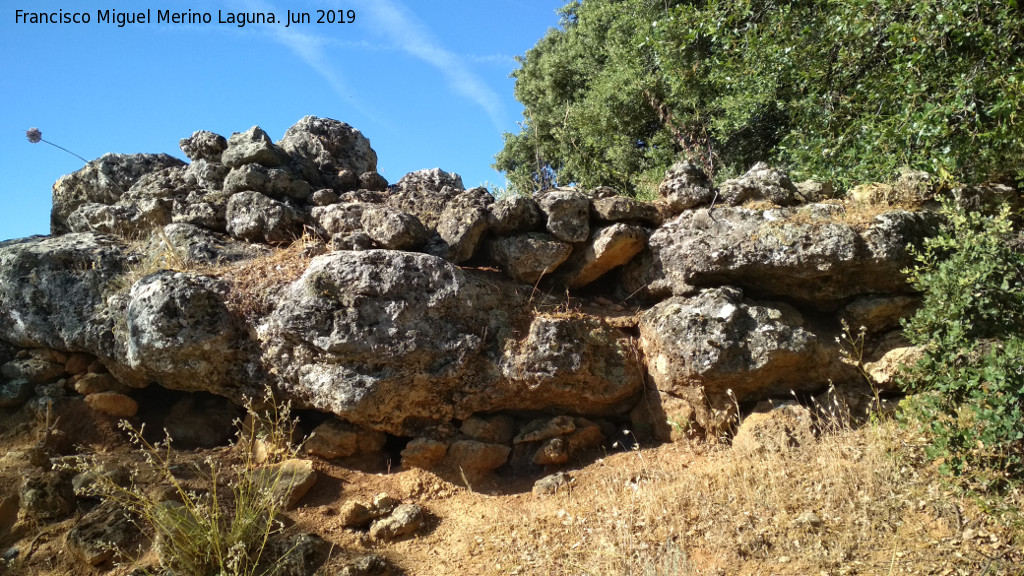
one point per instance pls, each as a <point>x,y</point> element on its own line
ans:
<point>484,331</point>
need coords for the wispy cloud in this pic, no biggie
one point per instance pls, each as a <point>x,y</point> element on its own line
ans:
<point>407,32</point>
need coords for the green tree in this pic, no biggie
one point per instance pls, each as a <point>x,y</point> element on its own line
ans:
<point>845,90</point>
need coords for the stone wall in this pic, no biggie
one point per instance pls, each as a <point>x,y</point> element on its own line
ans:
<point>485,332</point>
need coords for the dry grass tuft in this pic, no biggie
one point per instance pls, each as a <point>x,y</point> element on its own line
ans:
<point>253,283</point>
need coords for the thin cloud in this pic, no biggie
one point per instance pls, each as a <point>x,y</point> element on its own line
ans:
<point>406,31</point>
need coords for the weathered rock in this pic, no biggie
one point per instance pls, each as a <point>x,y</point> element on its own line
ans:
<point>202,174</point>
<point>273,182</point>
<point>552,452</point>
<point>760,183</point>
<point>405,520</point>
<point>430,179</point>
<point>323,197</point>
<point>328,153</point>
<point>779,430</point>
<point>289,481</point>
<point>392,229</point>
<point>529,257</point>
<point>587,435</point>
<point>667,418</point>
<point>113,404</point>
<point>515,215</point>
<point>102,181</point>
<point>988,198</point>
<point>551,484</point>
<point>806,254</point>
<point>610,247</point>
<point>727,345</point>
<point>497,429</point>
<point>369,565</point>
<point>879,314</point>
<point>425,453</point>
<point>298,555</point>
<point>204,208</point>
<point>255,217</point>
<point>333,439</point>
<point>373,181</point>
<point>126,220</point>
<point>181,334</point>
<point>475,460</point>
<point>201,421</point>
<point>191,245</point>
<point>48,496</point>
<point>203,145</point>
<point>622,209</point>
<point>78,363</point>
<point>14,393</point>
<point>253,147</point>
<point>100,534</point>
<point>355,515</point>
<point>53,292</point>
<point>544,429</point>
<point>32,370</point>
<point>567,212</point>
<point>337,219</point>
<point>814,191</point>
<point>461,228</point>
<point>686,186</point>
<point>91,383</point>
<point>885,370</point>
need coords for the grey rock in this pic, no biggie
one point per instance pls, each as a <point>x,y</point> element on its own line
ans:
<point>355,515</point>
<point>529,257</point>
<point>343,218</point>
<point>328,153</point>
<point>433,179</point>
<point>372,181</point>
<point>126,220</point>
<point>760,183</point>
<point>609,247</point>
<point>515,215</point>
<point>405,520</point>
<point>196,246</point>
<point>203,208</point>
<point>733,348</point>
<point>253,147</point>
<point>273,182</point>
<point>567,212</point>
<point>101,533</point>
<point>48,496</point>
<point>814,191</point>
<point>551,484</point>
<point>621,209</point>
<point>14,393</point>
<point>298,555</point>
<point>181,334</point>
<point>102,181</point>
<point>461,228</point>
<point>356,241</point>
<point>686,186</point>
<point>807,254</point>
<point>392,229</point>
<point>779,430</point>
<point>203,145</point>
<point>323,197</point>
<point>32,370</point>
<point>255,217</point>
<point>205,174</point>
<point>544,429</point>
<point>288,481</point>
<point>369,565</point>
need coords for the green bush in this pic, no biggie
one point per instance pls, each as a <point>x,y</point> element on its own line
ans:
<point>971,325</point>
<point>842,90</point>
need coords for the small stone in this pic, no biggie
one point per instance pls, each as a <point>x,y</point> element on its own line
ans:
<point>355,515</point>
<point>368,565</point>
<point>553,451</point>
<point>405,520</point>
<point>100,534</point>
<point>113,403</point>
<point>332,439</point>
<point>424,453</point>
<point>809,519</point>
<point>550,484</point>
<point>78,363</point>
<point>475,460</point>
<point>290,480</point>
<point>89,383</point>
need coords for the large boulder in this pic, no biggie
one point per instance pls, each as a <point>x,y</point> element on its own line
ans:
<point>610,247</point>
<point>686,186</point>
<point>735,349</point>
<point>567,212</point>
<point>529,257</point>
<point>328,153</point>
<point>255,217</point>
<point>425,194</point>
<point>809,255</point>
<point>760,183</point>
<point>102,181</point>
<point>53,291</point>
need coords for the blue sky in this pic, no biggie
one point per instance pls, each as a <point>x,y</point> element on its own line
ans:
<point>427,82</point>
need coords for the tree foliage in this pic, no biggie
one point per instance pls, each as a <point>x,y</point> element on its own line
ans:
<point>844,90</point>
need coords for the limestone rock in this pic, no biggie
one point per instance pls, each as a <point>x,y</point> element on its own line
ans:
<point>32,370</point>
<point>567,212</point>
<point>328,153</point>
<point>544,429</point>
<point>425,453</point>
<point>392,229</point>
<point>124,220</point>
<point>204,208</point>
<point>372,181</point>
<point>101,533</point>
<point>289,480</point>
<point>255,217</point>
<point>203,145</point>
<point>14,393</point>
<point>333,439</point>
<point>253,147</point>
<point>102,181</point>
<point>551,484</point>
<point>621,209</point>
<point>47,496</point>
<point>339,218</point>
<point>206,175</point>
<point>194,246</point>
<point>552,452</point>
<point>779,430</point>
<point>760,183</point>
<point>475,460</point>
<point>369,565</point>
<point>405,520</point>
<point>529,257</point>
<point>78,363</point>
<point>91,383</point>
<point>273,182</point>
<point>496,429</point>
<point>720,342</point>
<point>806,254</point>
<point>355,515</point>
<point>609,247</point>
<point>879,314</point>
<point>461,228</point>
<point>298,555</point>
<point>686,186</point>
<point>885,370</point>
<point>515,215</point>
<point>113,404</point>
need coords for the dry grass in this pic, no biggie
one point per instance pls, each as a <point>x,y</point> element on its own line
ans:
<point>255,282</point>
<point>857,502</point>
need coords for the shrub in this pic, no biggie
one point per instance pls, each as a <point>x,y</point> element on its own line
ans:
<point>971,324</point>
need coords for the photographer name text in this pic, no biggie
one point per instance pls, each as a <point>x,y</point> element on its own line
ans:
<point>150,16</point>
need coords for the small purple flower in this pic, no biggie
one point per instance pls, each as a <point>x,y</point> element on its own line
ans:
<point>34,135</point>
